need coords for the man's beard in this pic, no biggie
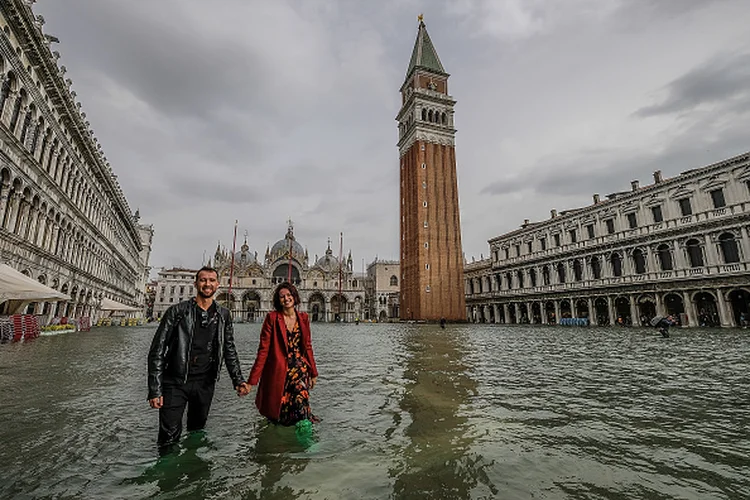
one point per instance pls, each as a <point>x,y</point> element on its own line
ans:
<point>204,295</point>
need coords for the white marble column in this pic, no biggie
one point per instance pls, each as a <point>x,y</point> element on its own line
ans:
<point>557,311</point>
<point>726,319</point>
<point>635,319</point>
<point>660,310</point>
<point>690,309</point>
<point>592,312</point>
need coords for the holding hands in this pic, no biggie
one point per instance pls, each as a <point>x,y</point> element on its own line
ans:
<point>244,389</point>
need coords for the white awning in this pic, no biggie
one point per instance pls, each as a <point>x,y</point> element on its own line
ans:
<point>113,305</point>
<point>17,286</point>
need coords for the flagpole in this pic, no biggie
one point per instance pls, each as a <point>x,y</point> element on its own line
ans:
<point>341,256</point>
<point>231,268</point>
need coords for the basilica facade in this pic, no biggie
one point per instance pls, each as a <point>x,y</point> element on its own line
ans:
<point>64,220</point>
<point>678,246</point>
<point>329,288</point>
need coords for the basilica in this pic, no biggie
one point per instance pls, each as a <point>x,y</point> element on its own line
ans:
<point>329,288</point>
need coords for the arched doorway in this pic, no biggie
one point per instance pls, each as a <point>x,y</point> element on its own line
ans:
<point>582,308</point>
<point>674,306</point>
<point>705,306</point>
<point>524,314</point>
<point>536,313</point>
<point>740,303</point>
<point>622,312</point>
<point>511,319</point>
<point>339,308</point>
<point>251,306</point>
<point>549,310</point>
<point>281,274</point>
<point>565,309</point>
<point>227,300</point>
<point>646,309</point>
<point>316,307</point>
<point>602,311</point>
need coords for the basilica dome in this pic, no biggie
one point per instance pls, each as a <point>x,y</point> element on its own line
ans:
<point>280,249</point>
<point>328,262</point>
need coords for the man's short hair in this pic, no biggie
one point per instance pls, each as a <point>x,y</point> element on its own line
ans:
<point>206,268</point>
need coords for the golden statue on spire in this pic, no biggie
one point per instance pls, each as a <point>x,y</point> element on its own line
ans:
<point>420,18</point>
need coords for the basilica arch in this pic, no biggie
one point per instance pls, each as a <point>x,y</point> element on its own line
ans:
<point>316,307</point>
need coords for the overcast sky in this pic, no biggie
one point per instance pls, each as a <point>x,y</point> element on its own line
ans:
<point>264,110</point>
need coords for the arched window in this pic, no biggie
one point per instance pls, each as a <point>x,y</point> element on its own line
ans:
<point>561,273</point>
<point>17,110</point>
<point>520,279</point>
<point>509,281</point>
<point>665,257</point>
<point>729,250</point>
<point>5,91</point>
<point>424,115</point>
<point>394,281</point>
<point>545,275</point>
<point>577,270</point>
<point>532,277</point>
<point>695,254</point>
<point>616,262</point>
<point>639,261</point>
<point>429,116</point>
<point>443,119</point>
<point>596,268</point>
<point>26,123</point>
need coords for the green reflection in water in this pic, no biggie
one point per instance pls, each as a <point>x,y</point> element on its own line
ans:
<point>437,461</point>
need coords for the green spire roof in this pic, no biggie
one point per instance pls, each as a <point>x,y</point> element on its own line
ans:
<point>424,55</point>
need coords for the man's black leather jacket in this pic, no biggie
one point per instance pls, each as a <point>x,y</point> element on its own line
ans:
<point>170,349</point>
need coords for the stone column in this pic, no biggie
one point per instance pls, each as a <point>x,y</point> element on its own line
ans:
<point>679,256</point>
<point>712,256</point>
<point>592,312</point>
<point>612,311</point>
<point>14,207</point>
<point>726,319</point>
<point>543,312</point>
<point>557,311</point>
<point>744,243</point>
<point>505,313</point>
<point>4,190</point>
<point>496,312</point>
<point>634,316</point>
<point>690,310</point>
<point>660,310</point>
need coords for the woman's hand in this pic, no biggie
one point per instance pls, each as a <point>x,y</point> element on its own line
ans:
<point>313,381</point>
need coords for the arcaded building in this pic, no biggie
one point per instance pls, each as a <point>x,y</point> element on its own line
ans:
<point>64,220</point>
<point>382,290</point>
<point>679,246</point>
<point>431,256</point>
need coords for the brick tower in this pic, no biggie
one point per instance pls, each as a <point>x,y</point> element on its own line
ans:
<point>432,285</point>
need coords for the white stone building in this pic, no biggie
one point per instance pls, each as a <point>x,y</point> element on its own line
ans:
<point>172,286</point>
<point>678,246</point>
<point>383,290</point>
<point>64,219</point>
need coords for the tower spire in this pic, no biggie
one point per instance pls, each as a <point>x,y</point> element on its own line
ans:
<point>424,55</point>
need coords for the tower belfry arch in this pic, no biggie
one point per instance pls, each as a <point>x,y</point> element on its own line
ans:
<point>431,254</point>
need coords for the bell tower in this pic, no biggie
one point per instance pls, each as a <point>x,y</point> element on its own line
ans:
<point>432,284</point>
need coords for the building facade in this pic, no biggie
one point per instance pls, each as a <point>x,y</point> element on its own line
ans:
<point>329,288</point>
<point>431,255</point>
<point>172,286</point>
<point>678,246</point>
<point>382,290</point>
<point>64,219</point>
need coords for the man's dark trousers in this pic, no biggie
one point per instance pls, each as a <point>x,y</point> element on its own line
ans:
<point>196,394</point>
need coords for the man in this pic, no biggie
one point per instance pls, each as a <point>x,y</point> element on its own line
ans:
<point>195,337</point>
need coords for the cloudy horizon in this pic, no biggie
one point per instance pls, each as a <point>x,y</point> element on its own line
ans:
<point>264,111</point>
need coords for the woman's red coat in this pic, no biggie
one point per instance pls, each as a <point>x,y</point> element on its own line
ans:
<point>271,362</point>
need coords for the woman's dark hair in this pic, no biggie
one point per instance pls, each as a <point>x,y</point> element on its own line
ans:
<point>276,295</point>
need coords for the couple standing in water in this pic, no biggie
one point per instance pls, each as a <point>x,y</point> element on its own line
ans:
<point>196,337</point>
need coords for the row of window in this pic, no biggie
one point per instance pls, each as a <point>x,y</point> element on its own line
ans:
<point>657,215</point>
<point>694,253</point>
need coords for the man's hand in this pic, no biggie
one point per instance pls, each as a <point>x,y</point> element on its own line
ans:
<point>243,389</point>
<point>156,402</point>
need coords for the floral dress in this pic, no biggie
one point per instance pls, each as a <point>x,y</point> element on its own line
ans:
<point>295,402</point>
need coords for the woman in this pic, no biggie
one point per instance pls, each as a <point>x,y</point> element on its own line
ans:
<point>285,364</point>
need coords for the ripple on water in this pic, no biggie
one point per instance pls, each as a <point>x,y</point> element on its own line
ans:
<point>409,411</point>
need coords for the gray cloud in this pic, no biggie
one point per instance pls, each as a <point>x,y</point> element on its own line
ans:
<point>262,111</point>
<point>722,79</point>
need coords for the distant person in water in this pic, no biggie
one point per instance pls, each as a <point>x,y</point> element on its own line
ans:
<point>195,337</point>
<point>664,324</point>
<point>284,368</point>
<point>442,322</point>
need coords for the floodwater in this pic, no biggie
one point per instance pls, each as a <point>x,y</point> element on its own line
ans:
<point>408,411</point>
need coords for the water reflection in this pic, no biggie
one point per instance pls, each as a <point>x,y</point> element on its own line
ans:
<point>280,454</point>
<point>436,461</point>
